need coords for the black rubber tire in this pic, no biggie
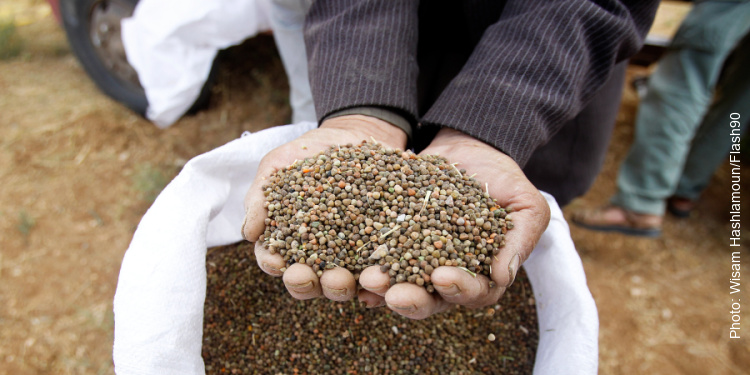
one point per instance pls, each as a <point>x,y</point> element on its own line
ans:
<point>77,20</point>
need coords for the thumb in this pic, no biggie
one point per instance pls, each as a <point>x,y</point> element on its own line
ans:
<point>528,219</point>
<point>255,200</point>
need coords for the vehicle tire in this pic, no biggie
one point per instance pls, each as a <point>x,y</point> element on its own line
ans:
<point>93,31</point>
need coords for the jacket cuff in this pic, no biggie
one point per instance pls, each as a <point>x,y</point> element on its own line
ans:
<point>381,113</point>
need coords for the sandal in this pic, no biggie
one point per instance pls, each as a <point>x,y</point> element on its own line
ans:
<point>634,224</point>
<point>680,207</point>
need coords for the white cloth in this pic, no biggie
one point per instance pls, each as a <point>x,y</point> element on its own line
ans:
<point>172,45</point>
<point>161,291</point>
<point>287,21</point>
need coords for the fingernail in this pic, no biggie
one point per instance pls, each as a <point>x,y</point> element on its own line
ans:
<point>513,269</point>
<point>381,304</point>
<point>301,288</point>
<point>404,309</point>
<point>244,223</point>
<point>379,290</point>
<point>270,267</point>
<point>336,292</point>
<point>368,306</point>
<point>451,291</point>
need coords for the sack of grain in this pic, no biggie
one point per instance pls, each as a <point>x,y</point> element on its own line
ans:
<point>162,286</point>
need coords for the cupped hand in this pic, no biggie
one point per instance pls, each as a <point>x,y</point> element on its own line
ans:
<point>299,279</point>
<point>511,189</point>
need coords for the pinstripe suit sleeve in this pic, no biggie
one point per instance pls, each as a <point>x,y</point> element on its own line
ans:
<point>532,70</point>
<point>363,53</point>
<point>536,67</point>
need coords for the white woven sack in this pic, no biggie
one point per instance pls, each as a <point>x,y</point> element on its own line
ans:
<point>161,290</point>
<point>172,45</point>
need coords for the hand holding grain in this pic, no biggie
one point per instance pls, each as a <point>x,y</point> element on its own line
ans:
<point>300,280</point>
<point>508,185</point>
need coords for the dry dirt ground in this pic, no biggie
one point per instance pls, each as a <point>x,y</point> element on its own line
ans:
<point>77,171</point>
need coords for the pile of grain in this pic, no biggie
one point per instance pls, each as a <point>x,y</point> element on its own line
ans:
<point>359,206</point>
<point>252,325</point>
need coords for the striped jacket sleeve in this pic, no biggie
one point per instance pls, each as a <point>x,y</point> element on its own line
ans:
<point>532,70</point>
<point>363,53</point>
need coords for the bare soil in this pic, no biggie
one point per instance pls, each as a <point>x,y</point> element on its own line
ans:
<point>78,171</point>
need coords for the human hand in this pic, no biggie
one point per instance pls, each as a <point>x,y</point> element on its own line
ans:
<point>299,279</point>
<point>510,187</point>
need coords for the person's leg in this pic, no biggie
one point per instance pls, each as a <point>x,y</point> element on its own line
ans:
<point>666,121</point>
<point>668,117</point>
<point>715,136</point>
<point>679,95</point>
<point>287,21</point>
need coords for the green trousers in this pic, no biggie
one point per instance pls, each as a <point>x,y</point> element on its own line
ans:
<point>682,127</point>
